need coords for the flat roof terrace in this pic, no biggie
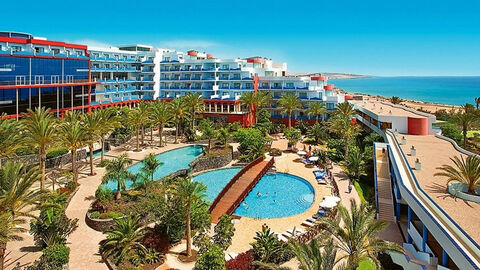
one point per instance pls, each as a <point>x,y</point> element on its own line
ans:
<point>385,109</point>
<point>434,152</point>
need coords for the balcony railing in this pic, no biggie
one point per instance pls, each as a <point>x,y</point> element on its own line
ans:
<point>33,83</point>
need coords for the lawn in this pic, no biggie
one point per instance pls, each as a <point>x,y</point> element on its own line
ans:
<point>366,265</point>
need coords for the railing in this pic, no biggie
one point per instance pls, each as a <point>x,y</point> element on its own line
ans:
<point>233,180</point>
<point>25,82</point>
<point>250,187</point>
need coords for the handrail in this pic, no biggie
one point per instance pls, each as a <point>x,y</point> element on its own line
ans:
<point>377,211</point>
<point>428,205</point>
<point>233,180</point>
<point>250,187</point>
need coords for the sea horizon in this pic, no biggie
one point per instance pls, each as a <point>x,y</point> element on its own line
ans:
<point>449,90</point>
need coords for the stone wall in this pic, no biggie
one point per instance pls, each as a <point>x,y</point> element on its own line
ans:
<point>205,162</point>
<point>97,224</point>
<point>32,160</point>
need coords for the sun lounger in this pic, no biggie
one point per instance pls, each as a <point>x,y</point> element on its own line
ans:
<point>321,181</point>
<point>232,255</point>
<point>307,223</point>
<point>281,237</point>
<point>289,233</point>
<point>319,174</point>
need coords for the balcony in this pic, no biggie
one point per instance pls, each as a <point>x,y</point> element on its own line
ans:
<point>147,62</point>
<point>234,68</point>
<point>247,79</point>
<point>147,79</point>
<point>235,78</point>
<point>208,69</point>
<point>174,69</point>
<point>209,78</point>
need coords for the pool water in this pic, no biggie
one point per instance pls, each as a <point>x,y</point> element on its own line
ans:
<point>172,160</point>
<point>215,180</point>
<point>281,194</point>
<point>277,195</point>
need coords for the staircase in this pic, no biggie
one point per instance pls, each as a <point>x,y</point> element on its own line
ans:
<point>384,198</point>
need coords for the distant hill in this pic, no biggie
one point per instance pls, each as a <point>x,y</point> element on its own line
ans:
<point>331,75</point>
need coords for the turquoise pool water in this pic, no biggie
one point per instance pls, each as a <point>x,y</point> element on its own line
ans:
<point>215,180</point>
<point>281,194</point>
<point>277,195</point>
<point>173,160</point>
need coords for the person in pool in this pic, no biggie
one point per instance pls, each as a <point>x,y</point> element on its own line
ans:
<point>245,204</point>
<point>259,194</point>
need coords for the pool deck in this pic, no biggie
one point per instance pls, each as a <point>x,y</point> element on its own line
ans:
<point>238,189</point>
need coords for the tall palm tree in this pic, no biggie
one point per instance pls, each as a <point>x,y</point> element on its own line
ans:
<point>248,99</point>
<point>150,165</point>
<point>316,109</point>
<point>124,239</point>
<point>134,118</point>
<point>189,191</point>
<point>16,199</point>
<point>310,256</point>
<point>208,132</point>
<point>142,117</point>
<point>355,235</point>
<point>345,110</point>
<point>289,103</point>
<point>224,135</point>
<point>466,171</point>
<point>395,100</point>
<point>161,115</point>
<point>477,102</point>
<point>194,104</point>
<point>466,121</point>
<point>93,125</point>
<point>40,132</point>
<point>178,110</point>
<point>72,137</point>
<point>355,163</point>
<point>116,170</point>
<point>261,99</point>
<point>11,137</point>
<point>110,121</point>
<point>342,126</point>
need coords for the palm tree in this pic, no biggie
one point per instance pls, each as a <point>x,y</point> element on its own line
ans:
<point>248,99</point>
<point>345,110</point>
<point>134,118</point>
<point>355,163</point>
<point>16,198</point>
<point>267,245</point>
<point>224,135</point>
<point>289,103</point>
<point>396,100</point>
<point>93,125</point>
<point>316,109</point>
<point>189,191</point>
<point>342,126</point>
<point>160,116</point>
<point>72,136</point>
<point>40,127</point>
<point>124,239</point>
<point>150,165</point>
<point>310,256</point>
<point>10,137</point>
<point>109,121</point>
<point>477,102</point>
<point>194,104</point>
<point>116,170</point>
<point>177,108</point>
<point>208,132</point>
<point>355,235</point>
<point>465,121</point>
<point>142,117</point>
<point>261,99</point>
<point>466,171</point>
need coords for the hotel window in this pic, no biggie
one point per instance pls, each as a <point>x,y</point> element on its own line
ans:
<point>276,86</point>
<point>264,85</point>
<point>55,51</point>
<point>16,48</point>
<point>236,85</point>
<point>116,57</point>
<point>167,59</point>
<point>248,85</point>
<point>125,57</point>
<point>198,66</point>
<point>224,66</point>
<point>225,76</point>
<point>224,85</point>
<point>37,49</point>
<point>289,85</point>
<point>105,55</point>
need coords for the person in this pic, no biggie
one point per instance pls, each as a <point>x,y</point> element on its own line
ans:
<point>350,188</point>
<point>259,194</point>
<point>274,201</point>
<point>310,148</point>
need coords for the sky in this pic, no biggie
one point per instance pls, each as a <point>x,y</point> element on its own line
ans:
<point>371,37</point>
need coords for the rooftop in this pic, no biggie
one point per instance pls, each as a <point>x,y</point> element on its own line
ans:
<point>382,108</point>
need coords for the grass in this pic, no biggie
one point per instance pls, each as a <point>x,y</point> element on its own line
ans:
<point>366,265</point>
<point>359,189</point>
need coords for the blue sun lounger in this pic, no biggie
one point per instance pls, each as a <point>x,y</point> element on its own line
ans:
<point>319,174</point>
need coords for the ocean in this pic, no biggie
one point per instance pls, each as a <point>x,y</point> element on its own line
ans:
<point>443,90</point>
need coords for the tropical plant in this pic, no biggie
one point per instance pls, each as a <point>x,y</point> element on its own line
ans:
<point>267,248</point>
<point>317,132</point>
<point>345,110</point>
<point>289,103</point>
<point>194,104</point>
<point>143,117</point>
<point>92,124</point>
<point>355,234</point>
<point>316,109</point>
<point>224,135</point>
<point>212,259</point>
<point>124,239</point>
<point>10,137</point>
<point>40,127</point>
<point>178,110</point>
<point>150,165</point>
<point>209,132</point>
<point>343,127</point>
<point>160,116</point>
<point>396,100</point>
<point>72,137</point>
<point>136,119</point>
<point>477,102</point>
<point>252,143</point>
<point>465,121</point>
<point>310,256</point>
<point>109,121</point>
<point>466,171</point>
<point>293,136</point>
<point>355,163</point>
<point>116,170</point>
<point>188,191</point>
<point>224,231</point>
<point>248,99</point>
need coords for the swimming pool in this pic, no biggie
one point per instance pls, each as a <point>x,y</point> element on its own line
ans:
<point>215,180</point>
<point>172,160</point>
<point>275,195</point>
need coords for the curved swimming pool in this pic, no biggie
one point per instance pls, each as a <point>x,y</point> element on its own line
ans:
<point>275,195</point>
<point>172,160</point>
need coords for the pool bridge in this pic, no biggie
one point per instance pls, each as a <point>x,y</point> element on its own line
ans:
<point>238,188</point>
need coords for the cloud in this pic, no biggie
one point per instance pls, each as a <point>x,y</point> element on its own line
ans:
<point>188,44</point>
<point>91,43</point>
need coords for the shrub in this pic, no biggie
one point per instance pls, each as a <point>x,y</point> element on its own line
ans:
<point>451,131</point>
<point>94,214</point>
<point>242,262</point>
<point>56,255</point>
<point>212,259</point>
<point>275,152</point>
<point>112,214</point>
<point>252,143</point>
<point>103,195</point>
<point>71,185</point>
<point>293,136</point>
<point>56,152</point>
